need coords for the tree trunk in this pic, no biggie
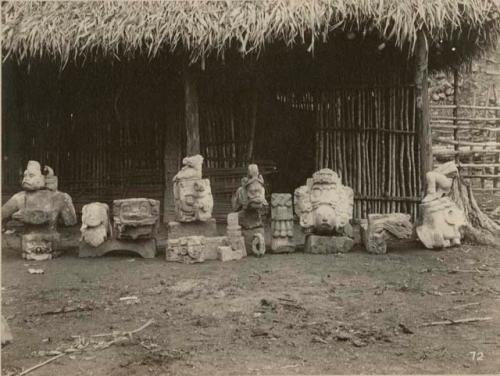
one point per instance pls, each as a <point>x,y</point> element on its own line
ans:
<point>480,229</point>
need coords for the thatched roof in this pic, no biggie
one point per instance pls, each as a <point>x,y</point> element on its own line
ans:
<point>72,29</point>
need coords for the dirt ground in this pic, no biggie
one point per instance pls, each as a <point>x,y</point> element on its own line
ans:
<point>281,314</point>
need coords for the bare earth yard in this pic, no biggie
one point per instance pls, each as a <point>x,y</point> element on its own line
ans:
<point>282,314</point>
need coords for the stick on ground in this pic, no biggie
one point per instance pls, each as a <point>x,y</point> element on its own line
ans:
<point>454,322</point>
<point>41,364</point>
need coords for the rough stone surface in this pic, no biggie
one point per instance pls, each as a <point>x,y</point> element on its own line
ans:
<point>146,248</point>
<point>282,223</point>
<point>179,230</point>
<point>192,194</point>
<point>324,205</point>
<point>226,253</point>
<point>136,218</point>
<point>379,228</point>
<point>328,244</point>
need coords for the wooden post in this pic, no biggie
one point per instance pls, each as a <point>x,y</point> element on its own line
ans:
<point>455,113</point>
<point>422,105</point>
<point>192,116</point>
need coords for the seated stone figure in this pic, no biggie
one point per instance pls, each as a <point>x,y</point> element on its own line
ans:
<point>250,202</point>
<point>440,218</point>
<point>192,194</point>
<point>324,207</point>
<point>40,209</point>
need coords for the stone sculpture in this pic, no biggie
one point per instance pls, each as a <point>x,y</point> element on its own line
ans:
<point>5,332</point>
<point>380,228</point>
<point>96,227</point>
<point>136,218</point>
<point>250,202</point>
<point>440,218</point>
<point>40,207</point>
<point>324,207</point>
<point>134,227</point>
<point>192,194</point>
<point>282,223</point>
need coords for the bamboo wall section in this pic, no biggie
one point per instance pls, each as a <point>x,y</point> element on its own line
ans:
<point>470,136</point>
<point>368,136</point>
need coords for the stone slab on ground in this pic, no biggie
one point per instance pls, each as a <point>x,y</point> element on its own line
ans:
<point>328,244</point>
<point>179,230</point>
<point>226,253</point>
<point>144,248</point>
<point>255,241</point>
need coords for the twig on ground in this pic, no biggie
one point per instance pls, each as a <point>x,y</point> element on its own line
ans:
<point>128,334</point>
<point>466,305</point>
<point>41,364</point>
<point>454,322</point>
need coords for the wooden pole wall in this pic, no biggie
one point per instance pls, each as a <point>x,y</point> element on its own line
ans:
<point>192,113</point>
<point>422,103</point>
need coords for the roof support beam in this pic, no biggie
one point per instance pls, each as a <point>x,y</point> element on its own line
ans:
<point>422,104</point>
<point>192,115</point>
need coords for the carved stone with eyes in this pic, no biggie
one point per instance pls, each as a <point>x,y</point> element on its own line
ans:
<point>324,205</point>
<point>136,218</point>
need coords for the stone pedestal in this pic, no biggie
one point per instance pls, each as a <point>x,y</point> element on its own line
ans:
<point>145,248</point>
<point>179,230</point>
<point>226,253</point>
<point>328,244</point>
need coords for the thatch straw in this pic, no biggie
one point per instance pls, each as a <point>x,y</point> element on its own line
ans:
<point>72,29</point>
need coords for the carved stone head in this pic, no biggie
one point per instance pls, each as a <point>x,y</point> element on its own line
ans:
<point>95,223</point>
<point>324,205</point>
<point>33,178</point>
<point>251,194</point>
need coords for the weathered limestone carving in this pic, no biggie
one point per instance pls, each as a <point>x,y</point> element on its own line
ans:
<point>440,218</point>
<point>235,235</point>
<point>136,218</point>
<point>5,332</point>
<point>40,207</point>
<point>282,223</point>
<point>96,227</point>
<point>380,228</point>
<point>134,227</point>
<point>187,250</point>
<point>250,202</point>
<point>325,207</point>
<point>192,194</point>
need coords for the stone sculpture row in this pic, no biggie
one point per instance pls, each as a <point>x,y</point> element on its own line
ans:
<point>324,207</point>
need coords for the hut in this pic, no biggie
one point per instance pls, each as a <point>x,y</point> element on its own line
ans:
<point>113,94</point>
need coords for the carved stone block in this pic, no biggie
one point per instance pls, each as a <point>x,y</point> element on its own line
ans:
<point>96,226</point>
<point>380,228</point>
<point>328,244</point>
<point>192,194</point>
<point>146,248</point>
<point>187,250</point>
<point>40,246</point>
<point>282,223</point>
<point>136,218</point>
